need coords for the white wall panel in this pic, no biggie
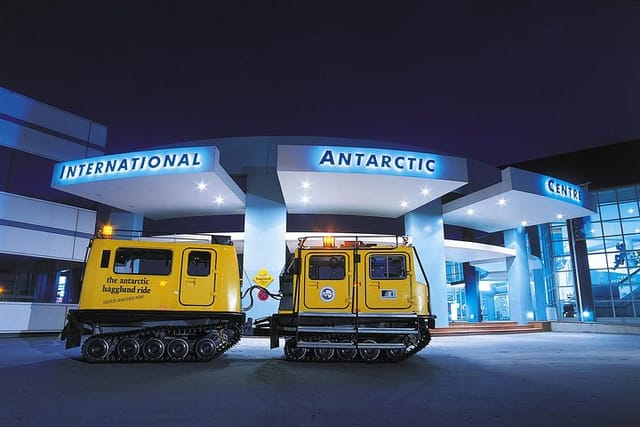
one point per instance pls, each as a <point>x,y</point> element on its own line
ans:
<point>44,229</point>
<point>18,317</point>
<point>21,241</point>
<point>39,143</point>
<point>46,116</point>
<point>43,213</point>
<point>86,221</point>
<point>80,249</point>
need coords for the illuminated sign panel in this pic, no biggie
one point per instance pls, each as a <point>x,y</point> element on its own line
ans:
<point>371,160</point>
<point>563,190</point>
<point>136,164</point>
<point>378,161</point>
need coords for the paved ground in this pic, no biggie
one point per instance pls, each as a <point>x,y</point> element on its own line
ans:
<point>542,379</point>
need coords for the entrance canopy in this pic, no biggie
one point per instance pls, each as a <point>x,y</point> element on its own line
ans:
<point>522,198</point>
<point>159,184</point>
<point>364,181</point>
<point>319,179</point>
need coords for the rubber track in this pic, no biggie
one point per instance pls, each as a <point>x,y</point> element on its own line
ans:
<point>165,333</point>
<point>423,341</point>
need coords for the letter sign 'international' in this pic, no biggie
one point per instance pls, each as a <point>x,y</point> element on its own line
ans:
<point>141,163</point>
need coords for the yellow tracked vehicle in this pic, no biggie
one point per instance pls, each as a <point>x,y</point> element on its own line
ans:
<point>153,300</point>
<point>351,299</point>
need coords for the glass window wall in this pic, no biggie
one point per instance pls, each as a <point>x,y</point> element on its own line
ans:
<point>613,242</point>
<point>30,279</point>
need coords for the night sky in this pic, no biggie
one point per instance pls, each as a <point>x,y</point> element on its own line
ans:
<point>497,81</point>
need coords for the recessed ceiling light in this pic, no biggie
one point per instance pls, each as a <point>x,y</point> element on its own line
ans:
<point>425,191</point>
<point>305,199</point>
<point>202,186</point>
<point>559,216</point>
<point>404,204</point>
<point>306,184</point>
<point>219,200</point>
<point>523,223</point>
<point>470,211</point>
<point>502,201</point>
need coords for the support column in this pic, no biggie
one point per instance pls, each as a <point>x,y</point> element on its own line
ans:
<point>518,279</point>
<point>265,226</point>
<point>127,223</point>
<point>426,228</point>
<point>540,295</point>
<point>472,292</point>
<point>581,272</point>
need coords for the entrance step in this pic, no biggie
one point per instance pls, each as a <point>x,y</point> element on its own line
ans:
<point>486,328</point>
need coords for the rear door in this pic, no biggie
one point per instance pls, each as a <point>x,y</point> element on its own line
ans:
<point>387,281</point>
<point>198,280</point>
<point>327,280</point>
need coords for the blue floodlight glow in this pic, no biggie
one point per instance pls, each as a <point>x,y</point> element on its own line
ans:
<point>563,190</point>
<point>376,161</point>
<point>135,164</point>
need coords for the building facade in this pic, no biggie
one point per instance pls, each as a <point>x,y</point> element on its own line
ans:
<point>43,232</point>
<point>497,245</point>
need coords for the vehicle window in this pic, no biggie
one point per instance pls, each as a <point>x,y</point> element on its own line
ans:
<point>199,263</point>
<point>143,261</point>
<point>326,267</point>
<point>104,260</point>
<point>387,267</point>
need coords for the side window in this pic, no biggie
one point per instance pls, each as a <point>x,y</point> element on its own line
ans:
<point>143,261</point>
<point>104,261</point>
<point>387,267</point>
<point>199,263</point>
<point>326,267</point>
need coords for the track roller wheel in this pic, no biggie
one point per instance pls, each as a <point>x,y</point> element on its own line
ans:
<point>230,334</point>
<point>128,348</point>
<point>394,354</point>
<point>95,349</point>
<point>369,354</point>
<point>153,349</point>
<point>205,349</point>
<point>177,348</point>
<point>292,351</point>
<point>346,354</point>
<point>324,354</point>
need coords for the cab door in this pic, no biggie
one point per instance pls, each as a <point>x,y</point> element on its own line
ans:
<point>387,281</point>
<point>198,278</point>
<point>327,280</point>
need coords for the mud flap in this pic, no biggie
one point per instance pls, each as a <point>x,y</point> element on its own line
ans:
<point>275,338</point>
<point>72,331</point>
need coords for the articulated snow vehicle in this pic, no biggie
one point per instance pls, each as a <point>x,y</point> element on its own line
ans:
<point>144,300</point>
<point>356,299</point>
